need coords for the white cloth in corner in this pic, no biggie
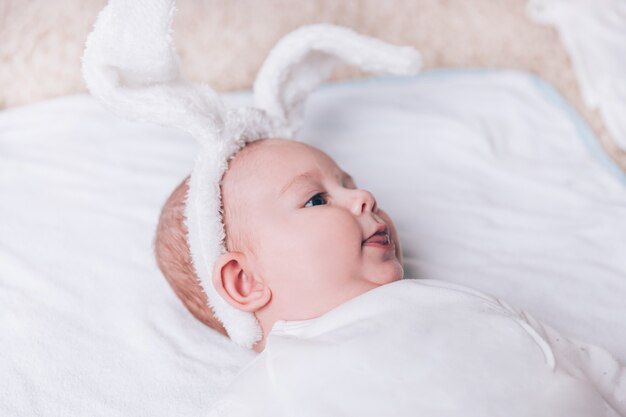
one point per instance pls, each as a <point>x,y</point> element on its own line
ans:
<point>425,347</point>
<point>594,34</point>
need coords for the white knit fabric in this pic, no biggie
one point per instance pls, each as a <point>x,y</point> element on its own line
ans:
<point>130,65</point>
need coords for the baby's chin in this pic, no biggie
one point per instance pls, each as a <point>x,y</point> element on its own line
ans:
<point>390,272</point>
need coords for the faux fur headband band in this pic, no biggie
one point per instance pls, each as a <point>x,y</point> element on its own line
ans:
<point>131,66</point>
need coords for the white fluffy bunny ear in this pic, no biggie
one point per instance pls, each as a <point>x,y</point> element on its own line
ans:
<point>306,57</point>
<point>130,64</point>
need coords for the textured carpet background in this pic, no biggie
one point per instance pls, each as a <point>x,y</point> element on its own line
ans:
<point>224,42</point>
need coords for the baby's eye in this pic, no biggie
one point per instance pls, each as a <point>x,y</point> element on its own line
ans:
<point>317,200</point>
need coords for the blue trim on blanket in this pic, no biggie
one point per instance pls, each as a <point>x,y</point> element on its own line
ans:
<point>585,133</point>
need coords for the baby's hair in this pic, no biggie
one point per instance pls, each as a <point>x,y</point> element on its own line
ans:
<point>172,249</point>
<point>174,259</point>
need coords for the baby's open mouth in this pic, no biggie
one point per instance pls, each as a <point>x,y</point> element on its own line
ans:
<point>380,238</point>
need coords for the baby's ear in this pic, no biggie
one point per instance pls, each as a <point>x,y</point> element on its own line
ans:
<point>237,284</point>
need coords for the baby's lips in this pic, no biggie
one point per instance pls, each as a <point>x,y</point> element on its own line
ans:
<point>380,237</point>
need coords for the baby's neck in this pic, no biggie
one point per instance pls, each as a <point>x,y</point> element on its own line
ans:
<point>269,315</point>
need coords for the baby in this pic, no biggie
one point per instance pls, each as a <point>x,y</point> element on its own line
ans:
<point>319,264</point>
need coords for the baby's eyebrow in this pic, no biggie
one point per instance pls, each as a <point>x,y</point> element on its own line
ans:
<point>347,176</point>
<point>311,175</point>
<point>305,176</point>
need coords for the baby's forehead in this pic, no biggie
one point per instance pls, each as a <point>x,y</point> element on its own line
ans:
<point>276,148</point>
<point>269,160</point>
<point>261,169</point>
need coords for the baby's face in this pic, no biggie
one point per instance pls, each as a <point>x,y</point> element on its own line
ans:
<point>316,239</point>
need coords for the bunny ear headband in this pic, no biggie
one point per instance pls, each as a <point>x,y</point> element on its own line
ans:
<point>131,66</point>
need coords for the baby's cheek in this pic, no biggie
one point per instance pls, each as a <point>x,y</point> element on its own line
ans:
<point>330,240</point>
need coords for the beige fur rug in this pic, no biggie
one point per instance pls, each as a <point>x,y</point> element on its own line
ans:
<point>223,42</point>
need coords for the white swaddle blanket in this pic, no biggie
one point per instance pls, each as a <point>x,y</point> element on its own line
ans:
<point>425,347</point>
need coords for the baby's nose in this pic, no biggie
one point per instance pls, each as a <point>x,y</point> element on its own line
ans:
<point>364,201</point>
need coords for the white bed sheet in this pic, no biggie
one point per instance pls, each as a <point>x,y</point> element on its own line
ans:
<point>493,181</point>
